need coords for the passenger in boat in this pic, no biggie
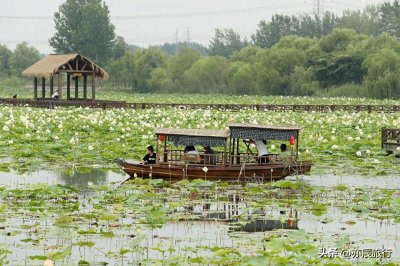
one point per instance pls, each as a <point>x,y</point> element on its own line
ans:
<point>209,157</point>
<point>55,95</point>
<point>263,154</point>
<point>192,155</point>
<point>150,157</point>
<point>285,155</point>
<point>190,149</point>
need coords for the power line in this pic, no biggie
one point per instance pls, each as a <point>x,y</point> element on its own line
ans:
<point>176,15</point>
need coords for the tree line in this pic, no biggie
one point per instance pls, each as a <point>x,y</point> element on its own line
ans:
<point>355,54</point>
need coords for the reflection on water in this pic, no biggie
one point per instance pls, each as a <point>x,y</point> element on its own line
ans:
<point>204,221</point>
<point>80,177</point>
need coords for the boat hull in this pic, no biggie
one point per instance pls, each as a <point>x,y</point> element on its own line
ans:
<point>241,173</point>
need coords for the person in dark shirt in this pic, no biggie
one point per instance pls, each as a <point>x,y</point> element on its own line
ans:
<point>209,155</point>
<point>150,157</point>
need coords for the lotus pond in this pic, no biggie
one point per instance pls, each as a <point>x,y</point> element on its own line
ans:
<point>62,198</point>
<point>199,222</point>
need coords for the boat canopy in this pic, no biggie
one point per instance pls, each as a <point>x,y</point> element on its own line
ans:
<point>203,137</point>
<point>259,132</point>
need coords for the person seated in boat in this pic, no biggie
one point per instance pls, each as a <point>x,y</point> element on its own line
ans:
<point>55,95</point>
<point>209,157</point>
<point>150,157</point>
<point>263,154</point>
<point>285,156</point>
<point>191,154</point>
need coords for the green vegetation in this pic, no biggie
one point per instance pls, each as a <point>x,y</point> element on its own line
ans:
<point>200,223</point>
<point>32,136</point>
<point>84,27</point>
<point>355,54</point>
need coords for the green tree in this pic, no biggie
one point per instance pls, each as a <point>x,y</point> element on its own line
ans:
<point>120,48</point>
<point>5,60</point>
<point>84,26</point>
<point>226,42</point>
<point>268,81</point>
<point>181,62</point>
<point>382,79</point>
<point>301,82</point>
<point>390,18</point>
<point>205,75</point>
<point>243,81</point>
<point>22,57</point>
<point>247,54</point>
<point>145,62</point>
<point>122,71</point>
<point>160,80</point>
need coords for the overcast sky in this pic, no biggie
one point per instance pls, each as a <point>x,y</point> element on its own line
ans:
<point>146,22</point>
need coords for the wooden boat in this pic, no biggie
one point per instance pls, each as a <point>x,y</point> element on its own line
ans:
<point>227,164</point>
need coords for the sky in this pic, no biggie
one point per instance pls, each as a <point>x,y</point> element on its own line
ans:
<point>148,22</point>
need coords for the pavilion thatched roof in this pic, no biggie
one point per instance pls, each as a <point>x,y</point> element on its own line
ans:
<point>52,64</point>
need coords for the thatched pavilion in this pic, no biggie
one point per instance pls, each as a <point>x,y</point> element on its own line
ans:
<point>73,65</point>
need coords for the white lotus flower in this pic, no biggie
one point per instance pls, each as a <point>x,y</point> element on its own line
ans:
<point>205,169</point>
<point>135,175</point>
<point>6,128</point>
<point>368,152</point>
<point>358,153</point>
<point>335,147</point>
<point>48,262</point>
<point>357,138</point>
<point>273,147</point>
<point>90,148</point>
<point>350,138</point>
<point>376,161</point>
<point>10,141</point>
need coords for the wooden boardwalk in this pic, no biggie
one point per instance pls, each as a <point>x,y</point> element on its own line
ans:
<point>48,103</point>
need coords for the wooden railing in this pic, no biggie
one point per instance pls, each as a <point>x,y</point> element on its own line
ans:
<point>219,158</point>
<point>49,103</point>
<point>390,139</point>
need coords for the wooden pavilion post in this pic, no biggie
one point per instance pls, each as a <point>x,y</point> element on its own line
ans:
<point>237,152</point>
<point>230,151</point>
<point>76,88</point>
<point>59,85</point>
<point>51,86</point>
<point>85,86</point>
<point>93,85</point>
<point>224,158</point>
<point>165,150</point>
<point>157,151</point>
<point>297,144</point>
<point>68,86</point>
<point>35,89</point>
<point>43,88</point>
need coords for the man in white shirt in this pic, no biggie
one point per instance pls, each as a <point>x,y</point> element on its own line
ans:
<point>263,154</point>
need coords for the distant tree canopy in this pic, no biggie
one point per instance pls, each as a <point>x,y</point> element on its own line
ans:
<point>226,42</point>
<point>84,26</point>
<point>12,63</point>
<point>356,54</point>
